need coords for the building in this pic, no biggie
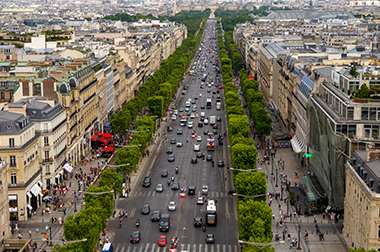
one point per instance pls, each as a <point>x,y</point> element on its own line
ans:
<point>5,230</point>
<point>19,147</point>
<point>362,201</point>
<point>49,118</point>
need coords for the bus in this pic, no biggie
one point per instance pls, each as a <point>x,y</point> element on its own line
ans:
<point>211,217</point>
<point>208,103</point>
<point>210,144</point>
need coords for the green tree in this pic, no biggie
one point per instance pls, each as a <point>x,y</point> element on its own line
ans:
<point>353,71</point>
<point>251,183</point>
<point>127,156</point>
<point>236,110</point>
<point>363,92</point>
<point>243,156</point>
<point>361,249</point>
<point>239,124</point>
<point>156,105</point>
<point>263,122</point>
<point>111,179</point>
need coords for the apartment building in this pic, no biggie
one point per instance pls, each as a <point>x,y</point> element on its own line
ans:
<point>362,201</point>
<point>19,148</point>
<point>5,230</point>
<point>49,118</point>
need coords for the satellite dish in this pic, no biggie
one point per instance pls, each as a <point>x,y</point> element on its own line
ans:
<point>69,58</point>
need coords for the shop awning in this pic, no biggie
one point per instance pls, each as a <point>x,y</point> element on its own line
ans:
<point>28,194</point>
<point>60,172</point>
<point>40,183</point>
<point>41,194</point>
<point>13,209</point>
<point>298,146</point>
<point>57,176</point>
<point>12,197</point>
<point>29,206</point>
<point>68,167</point>
<point>35,190</point>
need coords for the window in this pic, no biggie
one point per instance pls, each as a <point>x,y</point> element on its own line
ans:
<point>11,142</point>
<point>2,95</point>
<point>13,179</point>
<point>47,171</point>
<point>45,127</point>
<point>46,141</point>
<point>378,231</point>
<point>46,154</point>
<point>12,161</point>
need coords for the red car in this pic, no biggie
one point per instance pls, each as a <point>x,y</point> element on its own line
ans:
<point>162,241</point>
<point>135,237</point>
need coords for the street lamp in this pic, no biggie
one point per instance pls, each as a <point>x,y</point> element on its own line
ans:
<point>51,238</point>
<point>75,202</point>
<point>272,168</point>
<point>276,178</point>
<point>299,236</point>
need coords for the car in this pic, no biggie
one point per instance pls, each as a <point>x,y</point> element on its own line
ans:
<point>209,91</point>
<point>174,117</point>
<point>172,141</point>
<point>175,186</point>
<point>215,126</point>
<point>202,106</point>
<point>194,160</point>
<point>205,132</point>
<point>199,138</point>
<point>179,143</point>
<point>175,112</point>
<point>220,87</point>
<point>171,158</point>
<point>159,188</point>
<point>164,173</point>
<point>156,216</point>
<point>169,150</point>
<point>198,222</point>
<point>162,241</point>
<point>200,201</point>
<point>220,163</point>
<point>191,190</point>
<point>199,154</point>
<point>200,124</point>
<point>210,238</point>
<point>215,132</point>
<point>135,237</point>
<point>204,190</point>
<point>179,132</point>
<point>205,122</point>
<point>196,98</point>
<point>180,109</point>
<point>193,110</point>
<point>145,209</point>
<point>187,109</point>
<point>193,101</point>
<point>218,119</point>
<point>209,157</point>
<point>190,125</point>
<point>172,206</point>
<point>197,147</point>
<point>147,181</point>
<point>192,116</point>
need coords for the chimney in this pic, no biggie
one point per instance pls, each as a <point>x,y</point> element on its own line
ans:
<point>372,155</point>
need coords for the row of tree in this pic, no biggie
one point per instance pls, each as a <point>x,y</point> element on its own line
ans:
<point>253,212</point>
<point>192,19</point>
<point>129,18</point>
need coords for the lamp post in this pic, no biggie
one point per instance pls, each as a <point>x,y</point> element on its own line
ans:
<point>282,190</point>
<point>272,167</point>
<point>276,178</point>
<point>299,236</point>
<point>75,202</point>
<point>51,238</point>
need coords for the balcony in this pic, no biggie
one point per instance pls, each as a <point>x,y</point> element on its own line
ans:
<point>21,147</point>
<point>47,160</point>
<point>23,185</point>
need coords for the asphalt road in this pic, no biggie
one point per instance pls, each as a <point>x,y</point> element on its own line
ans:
<point>202,173</point>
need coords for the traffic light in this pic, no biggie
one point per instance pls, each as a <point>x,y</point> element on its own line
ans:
<point>308,155</point>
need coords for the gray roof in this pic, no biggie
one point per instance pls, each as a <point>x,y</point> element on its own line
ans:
<point>324,71</point>
<point>13,123</point>
<point>309,14</point>
<point>368,170</point>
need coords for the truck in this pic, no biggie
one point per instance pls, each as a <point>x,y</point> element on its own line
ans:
<point>218,106</point>
<point>164,223</point>
<point>210,144</point>
<point>211,217</point>
<point>212,120</point>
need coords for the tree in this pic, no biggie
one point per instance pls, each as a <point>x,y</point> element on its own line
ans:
<point>127,156</point>
<point>242,140</point>
<point>353,71</point>
<point>251,183</point>
<point>103,200</point>
<point>263,122</point>
<point>363,92</point>
<point>238,124</point>
<point>243,156</point>
<point>156,105</point>
<point>361,249</point>
<point>110,179</point>
<point>236,110</point>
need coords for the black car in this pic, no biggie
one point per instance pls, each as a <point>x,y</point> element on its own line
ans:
<point>198,222</point>
<point>210,238</point>
<point>171,158</point>
<point>164,173</point>
<point>215,132</point>
<point>209,158</point>
<point>179,132</point>
<point>199,154</point>
<point>180,110</point>
<point>145,209</point>
<point>173,141</point>
<point>191,190</point>
<point>205,132</point>
<point>175,186</point>
<point>193,101</point>
<point>156,216</point>
<point>169,150</point>
<point>202,106</point>
<point>200,124</point>
<point>193,160</point>
<point>218,119</point>
<point>147,181</point>
<point>220,163</point>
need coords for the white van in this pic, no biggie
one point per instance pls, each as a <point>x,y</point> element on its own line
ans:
<point>218,106</point>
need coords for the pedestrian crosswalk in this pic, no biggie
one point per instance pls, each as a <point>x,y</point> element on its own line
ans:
<point>153,247</point>
<point>171,193</point>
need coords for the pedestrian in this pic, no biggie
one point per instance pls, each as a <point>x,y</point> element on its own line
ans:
<point>46,238</point>
<point>37,230</point>
<point>30,233</point>
<point>315,219</point>
<point>20,236</point>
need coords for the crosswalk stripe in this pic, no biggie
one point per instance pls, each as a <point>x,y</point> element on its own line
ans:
<point>148,193</point>
<point>200,247</point>
<point>229,248</point>
<point>153,247</point>
<point>122,249</point>
<point>188,247</point>
<point>182,246</point>
<point>217,248</point>
<point>194,248</point>
<point>236,248</point>
<point>224,247</point>
<point>206,248</point>
<point>117,248</point>
<point>212,248</point>
<point>147,247</point>
<point>129,249</point>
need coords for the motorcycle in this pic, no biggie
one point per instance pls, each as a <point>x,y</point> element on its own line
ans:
<point>169,181</point>
<point>137,223</point>
<point>120,223</point>
<point>172,177</point>
<point>204,228</point>
<point>212,163</point>
<point>176,170</point>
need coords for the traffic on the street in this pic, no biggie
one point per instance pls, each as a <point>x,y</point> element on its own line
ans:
<point>181,199</point>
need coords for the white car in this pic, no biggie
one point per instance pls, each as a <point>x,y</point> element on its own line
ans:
<point>190,125</point>
<point>197,147</point>
<point>199,138</point>
<point>204,190</point>
<point>172,206</point>
<point>174,117</point>
<point>205,122</point>
<point>192,116</point>
<point>176,112</point>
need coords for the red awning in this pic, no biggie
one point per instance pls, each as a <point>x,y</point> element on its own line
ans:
<point>107,135</point>
<point>109,149</point>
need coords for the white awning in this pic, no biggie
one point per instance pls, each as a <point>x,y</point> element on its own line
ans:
<point>298,146</point>
<point>68,167</point>
<point>12,197</point>
<point>13,209</point>
<point>29,206</point>
<point>40,193</point>
<point>57,176</point>
<point>35,190</point>
<point>60,172</point>
<point>40,183</point>
<point>28,194</point>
